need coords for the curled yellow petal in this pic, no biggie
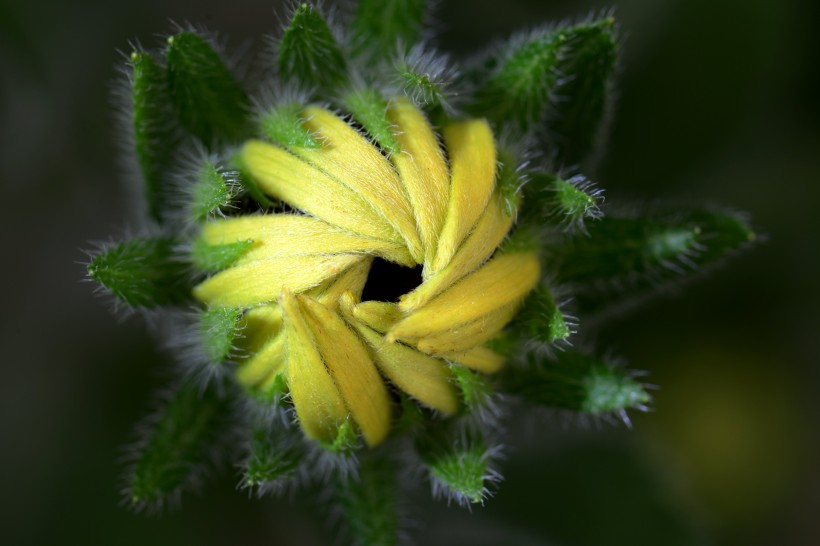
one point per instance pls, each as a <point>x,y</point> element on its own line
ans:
<point>469,335</point>
<point>351,280</point>
<point>472,165</point>
<point>423,171</point>
<point>279,235</point>
<point>491,229</point>
<point>352,369</point>
<point>303,186</point>
<point>262,281</point>
<point>501,281</point>
<point>349,158</point>
<point>316,398</point>
<point>268,359</point>
<point>480,359</point>
<point>425,378</point>
<point>378,315</point>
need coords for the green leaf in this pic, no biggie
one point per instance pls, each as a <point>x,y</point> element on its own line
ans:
<point>476,391</point>
<point>381,27</point>
<point>626,257</point>
<point>309,54</point>
<point>214,190</point>
<point>540,323</point>
<point>215,258</point>
<point>143,272</point>
<point>586,64</point>
<point>274,455</point>
<point>177,449</point>
<point>457,458</point>
<point>424,77</point>
<point>567,204</point>
<point>577,382</point>
<point>218,328</point>
<point>155,138</point>
<point>369,108</point>
<point>369,502</point>
<point>208,100</point>
<point>283,125</point>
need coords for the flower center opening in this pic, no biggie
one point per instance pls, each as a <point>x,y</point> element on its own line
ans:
<point>388,281</point>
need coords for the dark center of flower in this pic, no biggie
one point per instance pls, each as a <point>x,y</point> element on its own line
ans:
<point>388,281</point>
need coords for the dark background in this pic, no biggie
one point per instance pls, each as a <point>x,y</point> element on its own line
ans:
<point>720,102</point>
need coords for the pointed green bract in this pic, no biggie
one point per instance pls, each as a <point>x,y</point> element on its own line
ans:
<point>586,64</point>
<point>567,204</point>
<point>540,321</point>
<point>143,272</point>
<point>424,77</point>
<point>381,27</point>
<point>369,502</point>
<point>218,328</point>
<point>155,138</point>
<point>310,55</point>
<point>475,389</point>
<point>624,257</point>
<point>283,125</point>
<point>273,457</point>
<point>577,382</point>
<point>214,189</point>
<point>509,179</point>
<point>177,449</point>
<point>207,98</point>
<point>215,258</point>
<point>346,440</point>
<point>458,459</point>
<point>369,108</point>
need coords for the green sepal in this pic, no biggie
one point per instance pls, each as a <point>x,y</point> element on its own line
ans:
<point>369,501</point>
<point>476,391</point>
<point>369,108</point>
<point>283,125</point>
<point>573,381</point>
<point>215,258</point>
<point>509,179</point>
<point>310,55</point>
<point>380,27</point>
<point>155,137</point>
<point>422,77</point>
<point>346,440</point>
<point>540,323</point>
<point>627,257</point>
<point>586,65</point>
<point>209,102</point>
<point>145,272</point>
<point>177,450</point>
<point>274,454</point>
<point>218,328</point>
<point>273,395</point>
<point>457,457</point>
<point>567,204</point>
<point>214,190</point>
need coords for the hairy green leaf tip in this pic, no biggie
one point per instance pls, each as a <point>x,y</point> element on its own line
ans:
<point>155,140</point>
<point>214,258</point>
<point>420,86</point>
<point>381,27</point>
<point>369,108</point>
<point>310,55</point>
<point>347,439</point>
<point>218,327</point>
<point>540,321</point>
<point>176,449</point>
<point>458,462</point>
<point>369,502</point>
<point>215,188</point>
<point>475,388</point>
<point>283,125</point>
<point>577,382</point>
<point>143,272</point>
<point>273,458</point>
<point>208,100</point>
<point>509,179</point>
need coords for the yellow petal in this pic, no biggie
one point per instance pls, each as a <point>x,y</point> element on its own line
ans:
<point>348,157</point>
<point>351,280</point>
<point>278,235</point>
<point>319,405</point>
<point>263,280</point>
<point>423,171</point>
<point>472,164</point>
<point>470,335</point>
<point>259,325</point>
<point>303,186</point>
<point>480,359</point>
<point>269,359</point>
<point>378,315</point>
<point>352,369</point>
<point>501,281</point>
<point>424,378</point>
<point>491,229</point>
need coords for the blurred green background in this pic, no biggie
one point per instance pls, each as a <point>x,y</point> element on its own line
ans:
<point>720,102</point>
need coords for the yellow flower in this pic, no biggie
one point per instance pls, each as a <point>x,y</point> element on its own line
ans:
<point>301,279</point>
